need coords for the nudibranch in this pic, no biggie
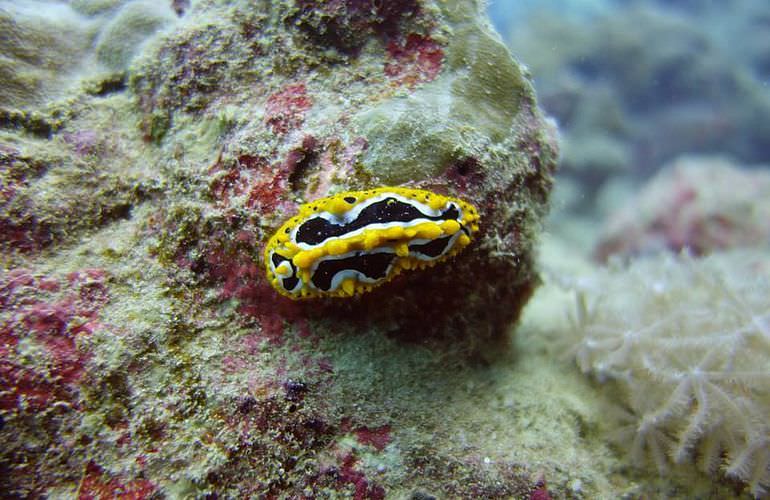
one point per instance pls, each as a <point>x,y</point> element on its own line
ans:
<point>351,242</point>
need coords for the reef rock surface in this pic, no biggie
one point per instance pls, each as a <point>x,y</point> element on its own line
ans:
<point>142,351</point>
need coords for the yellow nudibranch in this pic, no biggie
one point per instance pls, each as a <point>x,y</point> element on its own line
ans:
<point>351,242</point>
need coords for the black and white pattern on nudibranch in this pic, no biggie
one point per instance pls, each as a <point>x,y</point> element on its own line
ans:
<point>348,244</point>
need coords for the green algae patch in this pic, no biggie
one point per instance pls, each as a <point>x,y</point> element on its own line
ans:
<point>412,136</point>
<point>471,106</point>
<point>122,37</point>
<point>38,51</point>
<point>490,83</point>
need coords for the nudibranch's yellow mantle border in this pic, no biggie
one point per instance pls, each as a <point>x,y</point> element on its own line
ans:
<point>351,242</point>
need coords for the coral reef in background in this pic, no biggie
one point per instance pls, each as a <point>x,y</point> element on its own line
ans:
<point>676,346</point>
<point>143,350</point>
<point>698,204</point>
<point>634,85</point>
<point>684,345</point>
<point>132,24</point>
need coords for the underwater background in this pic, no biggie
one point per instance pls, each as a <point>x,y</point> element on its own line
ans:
<point>602,330</point>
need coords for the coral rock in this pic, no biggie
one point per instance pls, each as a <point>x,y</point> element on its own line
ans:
<point>699,204</point>
<point>157,360</point>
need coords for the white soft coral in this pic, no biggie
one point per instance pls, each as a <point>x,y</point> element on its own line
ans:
<point>688,341</point>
